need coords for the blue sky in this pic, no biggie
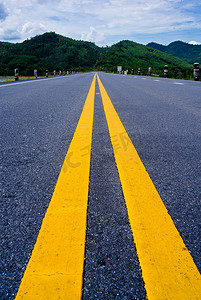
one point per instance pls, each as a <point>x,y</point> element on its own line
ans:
<point>104,22</point>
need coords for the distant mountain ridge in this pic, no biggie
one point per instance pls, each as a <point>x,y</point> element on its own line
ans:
<point>134,55</point>
<point>187,52</point>
<point>55,52</point>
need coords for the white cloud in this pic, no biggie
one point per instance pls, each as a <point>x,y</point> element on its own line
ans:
<point>96,20</point>
<point>93,36</point>
<point>194,43</point>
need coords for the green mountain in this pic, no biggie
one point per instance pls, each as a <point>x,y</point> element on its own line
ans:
<point>55,52</point>
<point>132,55</point>
<point>186,52</point>
<point>48,51</point>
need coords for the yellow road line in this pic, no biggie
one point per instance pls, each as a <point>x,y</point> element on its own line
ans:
<point>55,269</point>
<point>167,267</point>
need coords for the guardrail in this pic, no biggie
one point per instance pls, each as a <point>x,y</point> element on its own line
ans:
<point>139,71</point>
<point>17,75</point>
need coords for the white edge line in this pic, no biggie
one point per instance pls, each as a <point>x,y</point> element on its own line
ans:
<point>31,81</point>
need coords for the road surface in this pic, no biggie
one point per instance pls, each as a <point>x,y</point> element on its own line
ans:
<point>124,244</point>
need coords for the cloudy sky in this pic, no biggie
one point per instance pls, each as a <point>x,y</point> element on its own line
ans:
<point>104,22</point>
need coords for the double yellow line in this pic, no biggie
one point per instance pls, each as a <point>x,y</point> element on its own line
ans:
<point>55,269</point>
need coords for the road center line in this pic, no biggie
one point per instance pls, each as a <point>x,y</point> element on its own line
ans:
<point>55,269</point>
<point>167,266</point>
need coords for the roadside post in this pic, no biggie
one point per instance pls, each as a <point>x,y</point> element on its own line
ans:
<point>149,71</point>
<point>60,73</point>
<point>166,71</point>
<point>54,72</point>
<point>35,74</point>
<point>16,74</point>
<point>196,71</point>
<point>47,73</point>
<point>139,71</point>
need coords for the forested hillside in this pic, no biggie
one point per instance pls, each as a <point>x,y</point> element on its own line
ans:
<point>133,56</point>
<point>48,51</point>
<point>187,52</point>
<point>55,52</point>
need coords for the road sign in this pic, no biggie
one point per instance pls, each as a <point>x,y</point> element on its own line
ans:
<point>119,68</point>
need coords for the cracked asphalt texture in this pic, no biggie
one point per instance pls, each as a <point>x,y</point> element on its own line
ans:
<point>37,122</point>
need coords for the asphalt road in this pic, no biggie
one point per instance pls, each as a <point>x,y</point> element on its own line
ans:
<point>38,120</point>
